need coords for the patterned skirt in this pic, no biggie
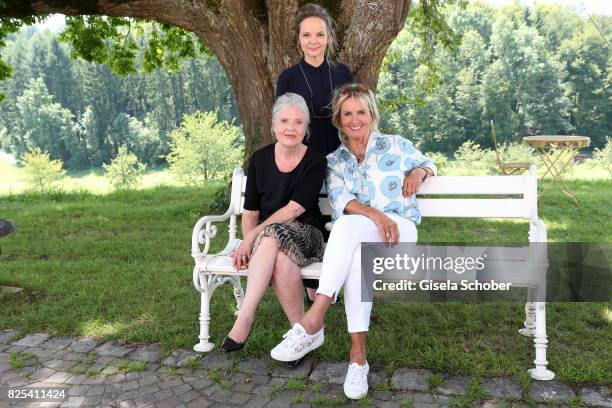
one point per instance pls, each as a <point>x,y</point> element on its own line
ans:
<point>302,243</point>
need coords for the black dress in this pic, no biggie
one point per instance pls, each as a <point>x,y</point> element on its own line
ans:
<point>313,84</point>
<point>268,189</point>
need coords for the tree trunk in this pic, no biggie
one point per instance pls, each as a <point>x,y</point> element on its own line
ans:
<point>254,41</point>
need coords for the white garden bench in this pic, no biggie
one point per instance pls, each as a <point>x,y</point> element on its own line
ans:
<point>213,270</point>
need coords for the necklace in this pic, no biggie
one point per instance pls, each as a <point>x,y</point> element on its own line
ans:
<point>331,88</point>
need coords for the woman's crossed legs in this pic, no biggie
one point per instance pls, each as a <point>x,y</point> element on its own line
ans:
<point>268,263</point>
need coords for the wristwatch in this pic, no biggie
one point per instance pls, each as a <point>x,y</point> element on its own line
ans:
<point>427,172</point>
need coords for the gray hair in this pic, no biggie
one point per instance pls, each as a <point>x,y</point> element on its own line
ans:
<point>290,99</point>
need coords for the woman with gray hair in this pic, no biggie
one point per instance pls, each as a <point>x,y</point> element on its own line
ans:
<point>281,222</point>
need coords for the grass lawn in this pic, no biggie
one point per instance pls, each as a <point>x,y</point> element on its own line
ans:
<point>119,266</point>
<point>15,180</point>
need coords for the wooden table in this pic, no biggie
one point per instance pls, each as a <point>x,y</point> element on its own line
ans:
<point>551,149</point>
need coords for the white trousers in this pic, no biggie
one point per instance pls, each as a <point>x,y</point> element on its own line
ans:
<point>342,263</point>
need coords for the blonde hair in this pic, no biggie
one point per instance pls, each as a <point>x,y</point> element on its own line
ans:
<point>314,10</point>
<point>364,95</point>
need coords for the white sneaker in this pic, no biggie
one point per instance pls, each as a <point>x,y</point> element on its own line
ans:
<point>356,381</point>
<point>297,344</point>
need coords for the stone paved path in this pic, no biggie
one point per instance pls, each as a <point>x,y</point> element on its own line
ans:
<point>114,374</point>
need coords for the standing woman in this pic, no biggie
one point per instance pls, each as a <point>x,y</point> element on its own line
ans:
<point>316,77</point>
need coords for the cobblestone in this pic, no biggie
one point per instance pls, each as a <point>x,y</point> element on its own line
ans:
<point>411,379</point>
<point>58,377</point>
<point>599,396</point>
<point>31,340</point>
<point>454,386</point>
<point>6,336</point>
<point>254,366</point>
<point>217,360</point>
<point>550,391</point>
<point>503,387</point>
<point>301,371</point>
<point>151,353</point>
<point>114,348</point>
<point>332,373</point>
<point>180,358</point>
<point>85,344</point>
<point>253,383</point>
<point>58,343</point>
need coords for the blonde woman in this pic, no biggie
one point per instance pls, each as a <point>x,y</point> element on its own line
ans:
<point>371,183</point>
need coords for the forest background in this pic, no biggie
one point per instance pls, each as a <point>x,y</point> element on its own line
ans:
<point>117,265</point>
<point>541,70</point>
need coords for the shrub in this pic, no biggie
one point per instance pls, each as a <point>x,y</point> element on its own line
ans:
<point>43,171</point>
<point>439,160</point>
<point>204,148</point>
<point>125,171</point>
<point>603,157</point>
<point>517,153</point>
<point>471,159</point>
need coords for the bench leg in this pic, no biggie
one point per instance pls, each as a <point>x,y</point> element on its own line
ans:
<point>205,293</point>
<point>529,324</point>
<point>540,372</point>
<point>238,293</point>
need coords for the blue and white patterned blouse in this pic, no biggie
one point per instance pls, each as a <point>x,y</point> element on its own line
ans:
<point>378,181</point>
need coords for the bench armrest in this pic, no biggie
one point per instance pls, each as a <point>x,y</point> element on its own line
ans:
<point>204,231</point>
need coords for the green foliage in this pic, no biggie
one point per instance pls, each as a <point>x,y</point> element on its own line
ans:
<point>603,157</point>
<point>585,58</point>
<point>18,359</point>
<point>89,111</point>
<point>435,380</point>
<point>132,366</point>
<point>42,170</point>
<point>47,125</point>
<point>517,153</point>
<point>470,157</point>
<point>440,160</point>
<point>512,66</point>
<point>431,27</point>
<point>125,171</point>
<point>539,70</point>
<point>116,41</point>
<point>204,148</point>
<point>8,26</point>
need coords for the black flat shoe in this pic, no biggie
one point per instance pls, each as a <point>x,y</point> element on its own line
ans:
<point>295,363</point>
<point>230,345</point>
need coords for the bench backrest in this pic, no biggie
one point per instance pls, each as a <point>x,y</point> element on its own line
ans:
<point>496,196</point>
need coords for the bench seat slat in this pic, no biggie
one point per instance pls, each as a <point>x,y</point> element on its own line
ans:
<point>223,265</point>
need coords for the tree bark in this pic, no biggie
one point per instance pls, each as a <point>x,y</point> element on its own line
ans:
<point>254,41</point>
